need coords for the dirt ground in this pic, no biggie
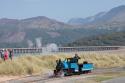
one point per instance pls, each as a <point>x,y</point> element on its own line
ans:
<point>5,78</point>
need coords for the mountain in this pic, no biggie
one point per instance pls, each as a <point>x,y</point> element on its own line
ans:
<point>112,20</point>
<point>18,31</point>
<point>34,22</point>
<point>81,21</point>
<point>42,22</point>
<point>116,14</point>
<point>32,32</point>
<point>115,38</point>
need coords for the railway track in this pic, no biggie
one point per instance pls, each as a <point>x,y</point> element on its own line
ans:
<point>39,79</point>
<point>50,79</point>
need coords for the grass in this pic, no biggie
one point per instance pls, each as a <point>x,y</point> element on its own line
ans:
<point>107,76</point>
<point>40,64</point>
<point>102,78</point>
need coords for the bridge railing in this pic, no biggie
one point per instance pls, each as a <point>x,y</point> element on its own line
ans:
<point>66,49</point>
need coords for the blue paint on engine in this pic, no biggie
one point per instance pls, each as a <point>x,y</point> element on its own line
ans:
<point>88,66</point>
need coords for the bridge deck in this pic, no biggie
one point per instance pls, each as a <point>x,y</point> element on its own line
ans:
<point>66,49</point>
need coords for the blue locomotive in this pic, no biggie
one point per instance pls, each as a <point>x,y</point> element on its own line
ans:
<point>70,66</point>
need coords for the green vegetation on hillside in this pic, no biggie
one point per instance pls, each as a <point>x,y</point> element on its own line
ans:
<point>116,38</point>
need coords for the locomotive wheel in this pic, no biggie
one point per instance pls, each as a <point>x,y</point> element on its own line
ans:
<point>62,73</point>
<point>89,71</point>
<point>59,73</point>
<point>86,72</point>
<point>55,73</point>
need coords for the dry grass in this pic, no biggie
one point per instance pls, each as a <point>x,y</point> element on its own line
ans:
<point>39,64</point>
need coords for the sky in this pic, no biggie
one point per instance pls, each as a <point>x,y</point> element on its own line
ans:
<point>61,10</point>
